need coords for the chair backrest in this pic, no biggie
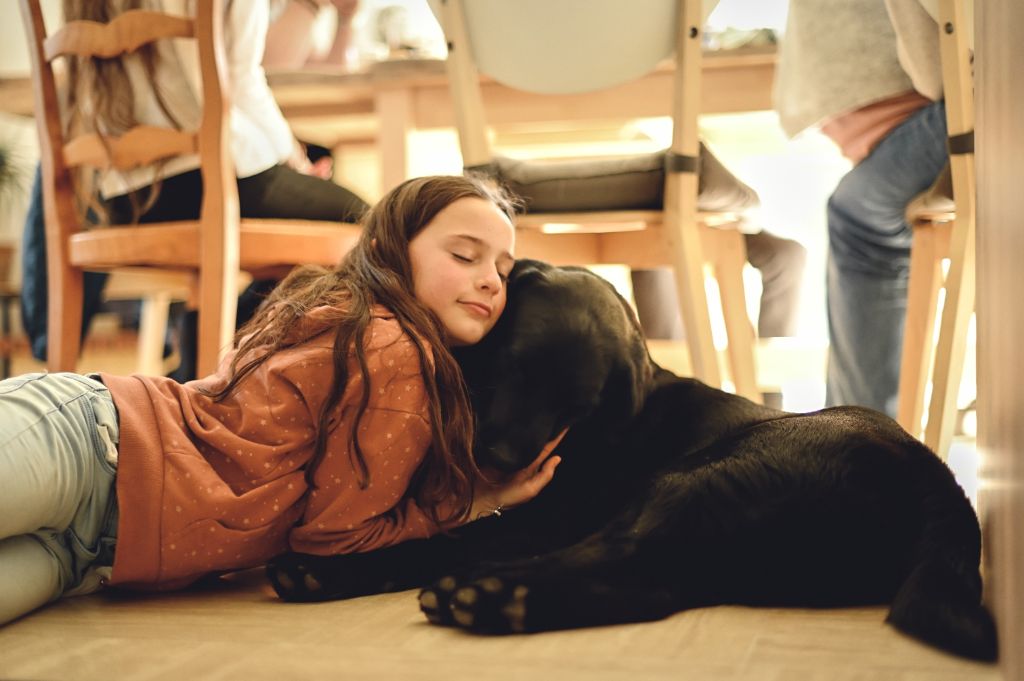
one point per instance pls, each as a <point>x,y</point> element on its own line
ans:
<point>141,145</point>
<point>567,46</point>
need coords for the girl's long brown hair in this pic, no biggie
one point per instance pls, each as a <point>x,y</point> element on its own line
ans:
<point>378,271</point>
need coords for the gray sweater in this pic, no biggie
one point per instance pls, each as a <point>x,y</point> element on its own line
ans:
<point>840,55</point>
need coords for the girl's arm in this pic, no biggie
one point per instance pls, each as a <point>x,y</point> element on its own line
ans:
<point>349,513</point>
<point>498,492</point>
<point>342,515</point>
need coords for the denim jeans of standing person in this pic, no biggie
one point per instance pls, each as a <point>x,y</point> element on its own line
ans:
<point>869,260</point>
<point>58,504</point>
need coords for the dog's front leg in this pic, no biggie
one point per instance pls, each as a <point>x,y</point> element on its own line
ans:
<point>303,577</point>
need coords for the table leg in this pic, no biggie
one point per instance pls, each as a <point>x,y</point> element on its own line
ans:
<point>394,116</point>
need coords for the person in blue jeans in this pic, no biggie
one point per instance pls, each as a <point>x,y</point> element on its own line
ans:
<point>868,74</point>
<point>869,259</point>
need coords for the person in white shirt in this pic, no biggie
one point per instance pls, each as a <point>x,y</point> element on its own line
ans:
<point>164,87</point>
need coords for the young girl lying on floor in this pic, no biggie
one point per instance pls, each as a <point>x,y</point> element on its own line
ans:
<point>339,423</point>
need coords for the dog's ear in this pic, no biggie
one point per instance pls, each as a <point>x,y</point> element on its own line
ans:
<point>477,361</point>
<point>634,370</point>
<point>527,269</point>
<point>609,338</point>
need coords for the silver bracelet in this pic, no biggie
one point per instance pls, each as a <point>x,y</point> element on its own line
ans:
<point>496,511</point>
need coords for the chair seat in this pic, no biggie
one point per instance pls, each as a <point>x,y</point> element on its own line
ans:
<point>614,221</point>
<point>633,238</point>
<point>175,245</point>
<point>627,183</point>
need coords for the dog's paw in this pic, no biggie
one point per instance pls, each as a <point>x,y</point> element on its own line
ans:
<point>435,601</point>
<point>489,605</point>
<point>294,579</point>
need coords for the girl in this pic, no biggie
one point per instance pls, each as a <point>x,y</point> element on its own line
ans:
<point>339,423</point>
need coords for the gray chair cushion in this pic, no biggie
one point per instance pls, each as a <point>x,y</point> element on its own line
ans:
<point>627,183</point>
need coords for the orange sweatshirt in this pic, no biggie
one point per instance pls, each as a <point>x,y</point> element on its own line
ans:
<point>206,486</point>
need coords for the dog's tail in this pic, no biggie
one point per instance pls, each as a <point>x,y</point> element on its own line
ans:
<point>939,601</point>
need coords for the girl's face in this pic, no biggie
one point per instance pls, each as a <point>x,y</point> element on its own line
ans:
<point>460,262</point>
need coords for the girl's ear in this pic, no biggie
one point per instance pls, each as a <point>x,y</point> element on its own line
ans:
<point>373,242</point>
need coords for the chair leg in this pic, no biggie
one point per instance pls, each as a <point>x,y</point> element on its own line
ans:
<point>64,316</point>
<point>688,263</point>
<point>952,344</point>
<point>152,333</point>
<point>730,258</point>
<point>956,312</point>
<point>217,308</point>
<point>930,245</point>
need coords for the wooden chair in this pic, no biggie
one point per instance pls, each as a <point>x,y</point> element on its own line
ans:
<point>942,229</point>
<point>213,248</point>
<point>554,47</point>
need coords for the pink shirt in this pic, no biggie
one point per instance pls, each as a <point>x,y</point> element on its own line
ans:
<point>857,132</point>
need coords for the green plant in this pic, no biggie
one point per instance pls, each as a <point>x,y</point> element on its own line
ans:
<point>12,172</point>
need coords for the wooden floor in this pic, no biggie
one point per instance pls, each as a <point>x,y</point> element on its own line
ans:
<point>238,630</point>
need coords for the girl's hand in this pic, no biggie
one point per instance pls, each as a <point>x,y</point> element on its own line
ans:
<point>516,488</point>
<point>298,161</point>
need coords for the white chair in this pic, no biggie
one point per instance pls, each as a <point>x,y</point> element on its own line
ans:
<point>559,47</point>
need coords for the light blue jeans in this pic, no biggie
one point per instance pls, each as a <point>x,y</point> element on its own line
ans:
<point>869,260</point>
<point>58,503</point>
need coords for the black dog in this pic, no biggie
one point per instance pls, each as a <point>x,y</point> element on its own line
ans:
<point>673,495</point>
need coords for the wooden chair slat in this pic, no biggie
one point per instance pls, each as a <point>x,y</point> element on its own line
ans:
<point>141,146</point>
<point>125,34</point>
<point>175,245</point>
<point>269,243</point>
<point>162,244</point>
<point>613,220</point>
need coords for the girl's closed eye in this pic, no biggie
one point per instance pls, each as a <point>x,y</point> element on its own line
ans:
<point>462,258</point>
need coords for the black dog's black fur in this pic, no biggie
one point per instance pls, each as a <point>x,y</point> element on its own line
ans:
<point>672,495</point>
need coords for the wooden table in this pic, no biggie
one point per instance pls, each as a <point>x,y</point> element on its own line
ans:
<point>404,96</point>
<point>391,100</point>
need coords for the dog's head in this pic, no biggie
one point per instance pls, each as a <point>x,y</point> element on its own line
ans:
<point>567,352</point>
